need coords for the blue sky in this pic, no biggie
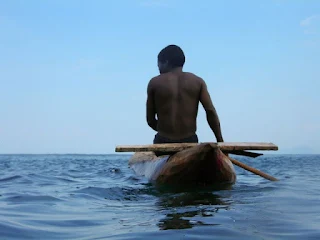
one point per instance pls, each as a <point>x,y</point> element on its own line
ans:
<point>73,73</point>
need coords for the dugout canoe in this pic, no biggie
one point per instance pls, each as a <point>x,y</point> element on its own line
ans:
<point>203,164</point>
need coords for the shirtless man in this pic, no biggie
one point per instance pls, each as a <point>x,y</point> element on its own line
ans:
<point>174,96</point>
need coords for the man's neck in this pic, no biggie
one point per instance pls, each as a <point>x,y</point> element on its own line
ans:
<point>176,70</point>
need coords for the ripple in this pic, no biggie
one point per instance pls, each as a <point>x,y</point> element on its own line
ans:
<point>49,180</point>
<point>12,178</point>
<point>114,193</point>
<point>25,199</point>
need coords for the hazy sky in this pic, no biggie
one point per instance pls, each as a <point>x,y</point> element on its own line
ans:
<point>73,74</point>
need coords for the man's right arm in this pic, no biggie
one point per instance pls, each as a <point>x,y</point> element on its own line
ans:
<point>212,116</point>
<point>151,108</point>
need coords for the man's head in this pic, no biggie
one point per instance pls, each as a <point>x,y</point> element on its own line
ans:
<point>170,57</point>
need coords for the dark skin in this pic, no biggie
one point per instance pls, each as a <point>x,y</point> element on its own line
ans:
<point>174,96</point>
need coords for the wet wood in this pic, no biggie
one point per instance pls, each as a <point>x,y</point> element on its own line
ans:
<point>177,147</point>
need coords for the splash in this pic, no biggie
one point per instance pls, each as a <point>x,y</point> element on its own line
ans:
<point>150,169</point>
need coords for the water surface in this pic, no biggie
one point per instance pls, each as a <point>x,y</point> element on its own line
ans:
<point>100,197</point>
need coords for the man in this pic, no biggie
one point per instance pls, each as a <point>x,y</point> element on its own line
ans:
<point>174,96</point>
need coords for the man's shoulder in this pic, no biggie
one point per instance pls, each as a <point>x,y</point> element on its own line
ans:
<point>153,82</point>
<point>194,77</point>
<point>156,79</point>
<point>190,74</point>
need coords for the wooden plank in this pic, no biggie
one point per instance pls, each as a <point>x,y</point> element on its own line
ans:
<point>165,147</point>
<point>177,147</point>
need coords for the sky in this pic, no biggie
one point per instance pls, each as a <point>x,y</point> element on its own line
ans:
<point>73,74</point>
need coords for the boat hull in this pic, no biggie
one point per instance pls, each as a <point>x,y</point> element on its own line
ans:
<point>203,164</point>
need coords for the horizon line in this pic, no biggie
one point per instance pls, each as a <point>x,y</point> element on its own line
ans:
<point>122,153</point>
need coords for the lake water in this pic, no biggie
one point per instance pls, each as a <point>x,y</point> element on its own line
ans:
<point>100,197</point>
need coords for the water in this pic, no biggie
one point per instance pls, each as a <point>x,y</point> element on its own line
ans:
<point>99,197</point>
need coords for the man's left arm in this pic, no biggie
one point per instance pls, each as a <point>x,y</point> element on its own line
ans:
<point>151,108</point>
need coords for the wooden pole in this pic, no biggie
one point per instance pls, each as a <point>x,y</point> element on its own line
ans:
<point>243,153</point>
<point>253,170</point>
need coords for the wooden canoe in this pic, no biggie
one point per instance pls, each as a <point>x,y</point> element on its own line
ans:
<point>203,164</point>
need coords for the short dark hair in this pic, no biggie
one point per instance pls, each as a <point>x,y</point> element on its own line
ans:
<point>173,54</point>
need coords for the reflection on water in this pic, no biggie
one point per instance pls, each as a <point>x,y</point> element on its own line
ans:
<point>182,208</point>
<point>179,221</point>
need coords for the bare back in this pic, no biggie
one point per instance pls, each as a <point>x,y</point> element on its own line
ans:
<point>176,100</point>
